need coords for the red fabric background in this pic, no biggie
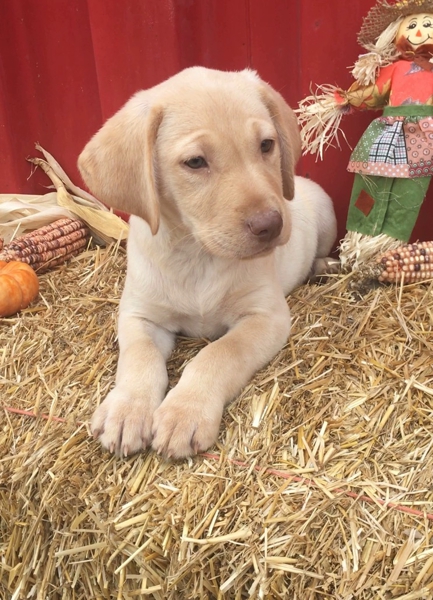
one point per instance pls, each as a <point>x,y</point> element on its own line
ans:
<point>68,65</point>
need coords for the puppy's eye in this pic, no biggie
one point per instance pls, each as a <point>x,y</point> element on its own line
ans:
<point>266,146</point>
<point>197,162</point>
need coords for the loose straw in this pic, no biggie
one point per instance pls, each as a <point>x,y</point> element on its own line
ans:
<point>267,470</point>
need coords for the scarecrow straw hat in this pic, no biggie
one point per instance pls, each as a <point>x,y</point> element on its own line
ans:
<point>383,14</point>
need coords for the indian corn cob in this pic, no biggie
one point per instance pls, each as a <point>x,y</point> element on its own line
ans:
<point>48,246</point>
<point>409,262</point>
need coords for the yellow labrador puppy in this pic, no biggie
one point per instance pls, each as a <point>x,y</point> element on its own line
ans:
<point>222,231</point>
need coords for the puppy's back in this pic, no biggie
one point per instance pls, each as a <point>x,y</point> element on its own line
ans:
<point>314,230</point>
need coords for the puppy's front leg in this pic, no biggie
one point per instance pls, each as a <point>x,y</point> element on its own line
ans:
<point>188,420</point>
<point>123,422</point>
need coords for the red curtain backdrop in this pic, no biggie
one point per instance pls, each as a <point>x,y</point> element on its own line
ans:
<point>67,65</point>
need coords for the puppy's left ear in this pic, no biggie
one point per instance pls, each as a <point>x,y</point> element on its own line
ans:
<point>287,127</point>
<point>117,164</point>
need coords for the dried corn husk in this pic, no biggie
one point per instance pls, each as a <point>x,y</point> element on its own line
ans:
<point>319,116</point>
<point>23,213</point>
<point>357,249</point>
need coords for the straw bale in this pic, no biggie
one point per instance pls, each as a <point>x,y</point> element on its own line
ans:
<point>320,485</point>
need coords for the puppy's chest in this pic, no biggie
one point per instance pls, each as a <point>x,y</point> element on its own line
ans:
<point>195,303</point>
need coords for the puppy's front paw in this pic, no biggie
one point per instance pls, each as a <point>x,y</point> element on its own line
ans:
<point>123,422</point>
<point>183,426</point>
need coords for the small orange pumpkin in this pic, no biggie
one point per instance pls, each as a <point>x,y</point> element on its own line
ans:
<point>19,285</point>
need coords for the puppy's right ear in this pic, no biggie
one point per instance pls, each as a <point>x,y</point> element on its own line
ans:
<point>287,128</point>
<point>118,162</point>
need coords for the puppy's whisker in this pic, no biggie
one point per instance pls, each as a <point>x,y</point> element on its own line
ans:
<point>206,242</point>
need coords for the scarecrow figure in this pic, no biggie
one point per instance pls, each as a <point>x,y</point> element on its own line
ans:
<point>393,161</point>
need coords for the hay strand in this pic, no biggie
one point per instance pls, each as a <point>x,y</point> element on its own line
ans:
<point>320,485</point>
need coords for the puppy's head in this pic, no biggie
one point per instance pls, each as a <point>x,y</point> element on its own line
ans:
<point>211,153</point>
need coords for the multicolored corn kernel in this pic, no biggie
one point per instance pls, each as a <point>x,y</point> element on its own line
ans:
<point>410,263</point>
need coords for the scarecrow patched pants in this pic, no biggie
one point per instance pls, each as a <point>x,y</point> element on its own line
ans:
<point>386,205</point>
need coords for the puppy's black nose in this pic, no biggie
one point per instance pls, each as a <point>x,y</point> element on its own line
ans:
<point>266,225</point>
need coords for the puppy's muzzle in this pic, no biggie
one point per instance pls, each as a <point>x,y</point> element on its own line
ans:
<point>266,225</point>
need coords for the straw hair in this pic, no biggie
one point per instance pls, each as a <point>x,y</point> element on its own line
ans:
<point>320,485</point>
<point>382,53</point>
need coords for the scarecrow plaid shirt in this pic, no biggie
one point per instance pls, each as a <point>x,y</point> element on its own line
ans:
<point>390,147</point>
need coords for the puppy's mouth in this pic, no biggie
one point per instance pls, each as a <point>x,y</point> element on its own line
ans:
<point>260,252</point>
<point>241,250</point>
<point>256,236</point>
